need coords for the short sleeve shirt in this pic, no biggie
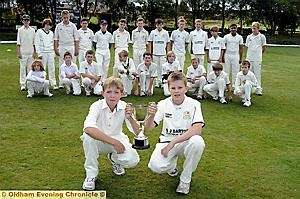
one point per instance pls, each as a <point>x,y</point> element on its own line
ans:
<point>214,47</point>
<point>180,39</point>
<point>103,40</point>
<point>213,78</point>
<point>159,40</point>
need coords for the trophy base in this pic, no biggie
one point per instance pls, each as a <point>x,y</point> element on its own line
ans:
<point>141,144</point>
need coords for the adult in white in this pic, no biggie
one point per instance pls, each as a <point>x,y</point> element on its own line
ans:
<point>245,84</point>
<point>234,52</point>
<point>25,48</point>
<point>120,40</point>
<point>45,49</point>
<point>102,41</point>
<point>256,43</point>
<point>198,41</point>
<point>180,41</point>
<point>66,39</point>
<point>139,41</point>
<point>86,37</point>
<point>158,46</point>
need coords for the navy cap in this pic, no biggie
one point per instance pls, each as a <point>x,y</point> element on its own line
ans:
<point>103,21</point>
<point>25,17</point>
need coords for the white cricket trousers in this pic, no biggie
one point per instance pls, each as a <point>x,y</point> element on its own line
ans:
<point>87,82</point>
<point>159,60</point>
<point>93,148</point>
<point>191,149</point>
<point>81,55</point>
<point>48,60</point>
<point>137,56</point>
<point>198,85</point>
<point>72,84</point>
<point>144,82</point>
<point>127,83</point>
<point>62,50</point>
<point>180,57</point>
<point>233,61</point>
<point>210,65</point>
<point>201,59</point>
<point>216,89</point>
<point>103,60</point>
<point>246,90</point>
<point>255,67</point>
<point>115,68</point>
<point>25,67</point>
<point>38,87</point>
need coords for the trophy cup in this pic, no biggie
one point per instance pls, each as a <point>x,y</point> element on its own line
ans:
<point>140,141</point>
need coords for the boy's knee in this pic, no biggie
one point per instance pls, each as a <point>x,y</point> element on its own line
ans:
<point>197,142</point>
<point>133,160</point>
<point>86,81</point>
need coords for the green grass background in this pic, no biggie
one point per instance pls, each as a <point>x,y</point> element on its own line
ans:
<point>250,152</point>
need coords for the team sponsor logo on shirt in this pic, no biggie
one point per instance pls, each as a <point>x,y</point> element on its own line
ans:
<point>168,115</point>
<point>198,42</point>
<point>159,42</point>
<point>175,131</point>
<point>186,115</point>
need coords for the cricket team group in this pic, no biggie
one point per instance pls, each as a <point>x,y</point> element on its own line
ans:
<point>158,61</point>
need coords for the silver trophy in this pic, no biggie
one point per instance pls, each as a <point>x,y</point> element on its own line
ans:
<point>141,141</point>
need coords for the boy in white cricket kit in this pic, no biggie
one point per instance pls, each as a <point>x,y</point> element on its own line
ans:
<point>179,41</point>
<point>245,84</point>
<point>126,70</point>
<point>256,43</point>
<point>91,75</point>
<point>181,132</point>
<point>103,134</point>
<point>146,72</point>
<point>45,49</point>
<point>66,39</point>
<point>25,48</point>
<point>102,41</point>
<point>36,80</point>
<point>70,75</point>
<point>196,76</point>
<point>158,46</point>
<point>234,52</point>
<point>218,82</point>
<point>86,37</point>
<point>167,68</point>
<point>215,49</point>
<point>120,40</point>
<point>198,41</point>
<point>139,41</point>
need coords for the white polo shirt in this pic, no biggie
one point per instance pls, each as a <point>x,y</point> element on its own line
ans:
<point>180,39</point>
<point>170,67</point>
<point>25,39</point>
<point>214,47</point>
<point>139,38</point>
<point>66,34</point>
<point>43,41</point>
<point>240,78</point>
<point>36,76</point>
<point>91,69</point>
<point>198,39</point>
<point>177,119</point>
<point>213,78</point>
<point>151,71</point>
<point>68,70</point>
<point>109,122</point>
<point>121,39</point>
<point>255,44</point>
<point>159,40</point>
<point>103,40</point>
<point>233,43</point>
<point>192,72</point>
<point>86,38</point>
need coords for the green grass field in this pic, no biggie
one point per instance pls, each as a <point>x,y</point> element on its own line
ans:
<point>250,152</point>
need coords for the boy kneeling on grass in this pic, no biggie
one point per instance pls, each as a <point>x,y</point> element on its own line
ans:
<point>103,133</point>
<point>181,132</point>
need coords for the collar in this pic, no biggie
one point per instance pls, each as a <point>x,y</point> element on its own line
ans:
<point>120,105</point>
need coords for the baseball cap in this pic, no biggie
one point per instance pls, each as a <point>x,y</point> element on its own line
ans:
<point>103,21</point>
<point>25,16</point>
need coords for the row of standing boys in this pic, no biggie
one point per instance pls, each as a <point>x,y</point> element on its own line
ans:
<point>144,67</point>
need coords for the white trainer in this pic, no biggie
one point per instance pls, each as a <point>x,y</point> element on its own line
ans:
<point>223,101</point>
<point>183,188</point>
<point>117,168</point>
<point>89,184</point>
<point>173,173</point>
<point>247,103</point>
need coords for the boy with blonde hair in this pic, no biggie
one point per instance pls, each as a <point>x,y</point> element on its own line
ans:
<point>103,133</point>
<point>181,132</point>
